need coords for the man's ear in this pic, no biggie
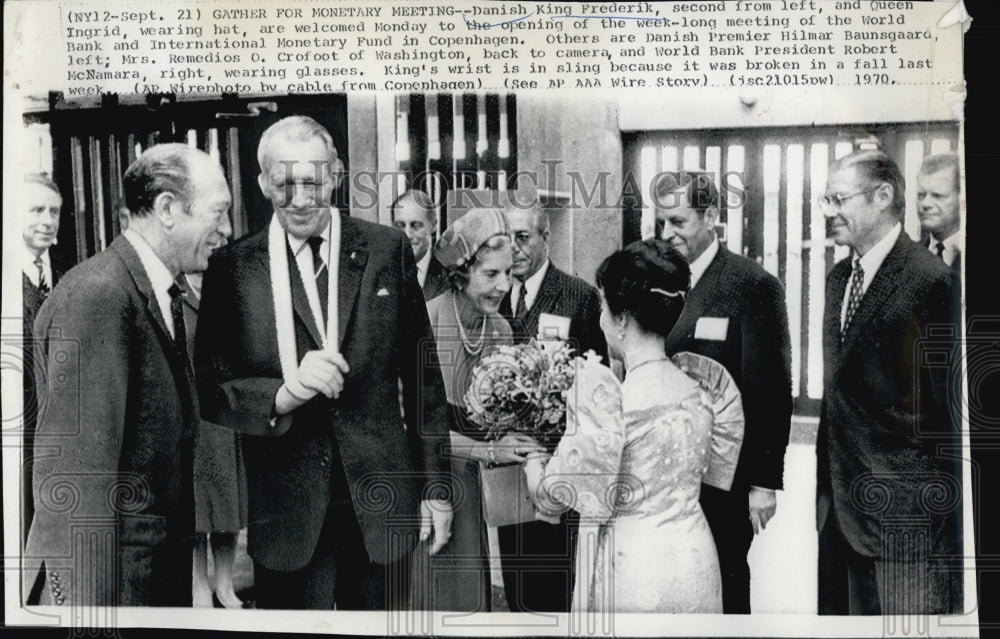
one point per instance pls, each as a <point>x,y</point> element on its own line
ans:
<point>545,235</point>
<point>262,183</point>
<point>883,195</point>
<point>166,208</point>
<point>712,215</point>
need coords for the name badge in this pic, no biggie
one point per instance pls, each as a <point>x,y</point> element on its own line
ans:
<point>712,328</point>
<point>553,326</point>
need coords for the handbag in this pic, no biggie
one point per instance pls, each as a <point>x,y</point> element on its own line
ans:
<point>506,499</point>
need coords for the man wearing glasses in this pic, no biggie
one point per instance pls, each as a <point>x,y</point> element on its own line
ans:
<point>537,557</point>
<point>888,485</point>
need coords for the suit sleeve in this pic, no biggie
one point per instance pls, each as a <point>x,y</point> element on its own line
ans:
<point>86,358</point>
<point>943,418</point>
<point>592,337</point>
<point>424,403</point>
<point>767,384</point>
<point>228,396</point>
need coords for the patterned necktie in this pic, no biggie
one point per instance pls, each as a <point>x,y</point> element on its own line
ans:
<point>322,275</point>
<point>43,286</point>
<point>177,313</point>
<point>522,305</point>
<point>854,299</point>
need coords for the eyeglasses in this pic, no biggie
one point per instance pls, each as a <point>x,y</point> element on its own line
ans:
<point>836,202</point>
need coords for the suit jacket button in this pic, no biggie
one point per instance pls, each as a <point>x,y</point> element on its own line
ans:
<point>60,600</point>
<point>335,412</point>
<point>54,575</point>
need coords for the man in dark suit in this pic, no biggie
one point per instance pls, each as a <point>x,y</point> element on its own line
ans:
<point>735,314</point>
<point>888,439</point>
<point>537,557</point>
<point>113,452</point>
<point>306,330</point>
<point>938,188</point>
<point>414,213</point>
<point>41,268</point>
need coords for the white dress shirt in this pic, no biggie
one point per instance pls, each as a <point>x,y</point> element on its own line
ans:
<point>870,262</point>
<point>31,270</point>
<point>530,288</point>
<point>157,272</point>
<point>700,265</point>
<point>951,247</point>
<point>304,260</point>
<point>422,266</point>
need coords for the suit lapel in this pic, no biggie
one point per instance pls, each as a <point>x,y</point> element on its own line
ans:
<point>300,303</point>
<point>126,252</point>
<point>545,301</point>
<point>698,301</point>
<point>835,287</point>
<point>353,258</point>
<point>879,292</point>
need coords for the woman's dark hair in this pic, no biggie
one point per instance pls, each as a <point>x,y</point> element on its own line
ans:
<point>648,280</point>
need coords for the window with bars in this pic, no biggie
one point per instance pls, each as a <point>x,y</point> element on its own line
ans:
<point>87,150</point>
<point>769,180</point>
<point>445,142</point>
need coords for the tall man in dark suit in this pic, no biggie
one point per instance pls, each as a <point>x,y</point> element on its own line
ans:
<point>735,314</point>
<point>938,188</point>
<point>414,213</point>
<point>305,332</point>
<point>888,483</point>
<point>41,204</point>
<point>114,448</point>
<point>537,557</point>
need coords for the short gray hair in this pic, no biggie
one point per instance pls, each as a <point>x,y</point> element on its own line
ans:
<point>161,168</point>
<point>297,128</point>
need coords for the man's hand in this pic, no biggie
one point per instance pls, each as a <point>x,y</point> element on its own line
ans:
<point>320,372</point>
<point>323,372</point>
<point>436,516</point>
<point>762,504</point>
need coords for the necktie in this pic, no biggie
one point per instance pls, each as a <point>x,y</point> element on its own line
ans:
<point>322,276</point>
<point>43,286</point>
<point>940,250</point>
<point>177,313</point>
<point>522,306</point>
<point>854,299</point>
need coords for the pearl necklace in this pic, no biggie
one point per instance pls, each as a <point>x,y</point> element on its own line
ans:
<point>470,348</point>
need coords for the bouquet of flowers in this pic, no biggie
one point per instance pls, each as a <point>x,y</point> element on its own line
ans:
<point>522,389</point>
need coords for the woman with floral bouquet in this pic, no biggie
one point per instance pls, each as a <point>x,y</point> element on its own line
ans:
<point>476,251</point>
<point>635,453</point>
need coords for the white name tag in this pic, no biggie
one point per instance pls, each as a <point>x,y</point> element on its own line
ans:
<point>712,328</point>
<point>553,326</point>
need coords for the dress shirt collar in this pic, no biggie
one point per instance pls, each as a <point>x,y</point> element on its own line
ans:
<point>529,288</point>
<point>952,247</point>
<point>159,275</point>
<point>422,266</point>
<point>872,260</point>
<point>297,243</point>
<point>31,270</point>
<point>700,265</point>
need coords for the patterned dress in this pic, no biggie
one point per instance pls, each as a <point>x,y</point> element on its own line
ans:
<point>632,464</point>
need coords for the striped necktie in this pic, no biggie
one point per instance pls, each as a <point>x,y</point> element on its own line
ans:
<point>854,299</point>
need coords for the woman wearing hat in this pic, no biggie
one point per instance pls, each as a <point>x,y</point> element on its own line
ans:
<point>476,250</point>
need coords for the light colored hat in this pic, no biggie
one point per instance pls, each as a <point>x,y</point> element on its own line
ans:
<point>466,235</point>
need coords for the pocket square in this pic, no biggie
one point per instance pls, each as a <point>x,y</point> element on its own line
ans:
<point>382,292</point>
<point>712,328</point>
